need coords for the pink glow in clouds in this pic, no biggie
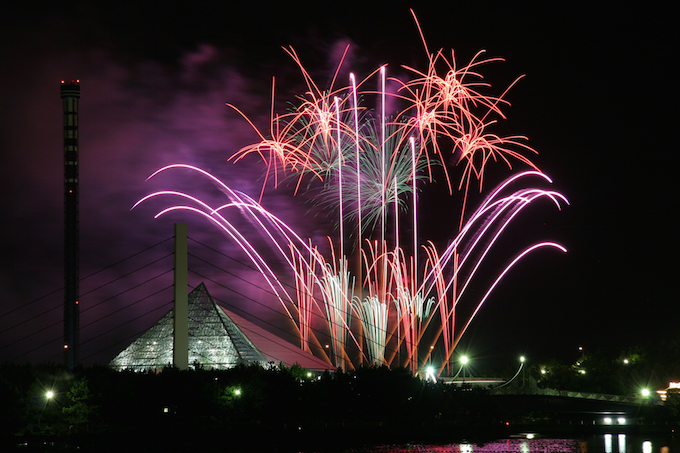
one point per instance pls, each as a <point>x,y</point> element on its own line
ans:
<point>133,116</point>
<point>154,88</point>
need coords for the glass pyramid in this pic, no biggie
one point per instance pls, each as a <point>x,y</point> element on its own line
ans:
<point>215,341</point>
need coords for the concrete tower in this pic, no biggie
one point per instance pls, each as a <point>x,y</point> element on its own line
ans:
<point>180,345</point>
<point>70,93</point>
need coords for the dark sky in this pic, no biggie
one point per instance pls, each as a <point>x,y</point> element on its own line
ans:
<point>598,103</point>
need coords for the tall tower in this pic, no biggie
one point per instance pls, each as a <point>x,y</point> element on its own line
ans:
<point>180,345</point>
<point>70,93</point>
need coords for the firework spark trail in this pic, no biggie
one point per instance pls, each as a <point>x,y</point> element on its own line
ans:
<point>415,208</point>
<point>374,315</point>
<point>334,283</point>
<point>451,93</point>
<point>304,283</point>
<point>398,168</point>
<point>443,110</point>
<point>488,204</point>
<point>358,157</point>
<point>379,284</point>
<point>411,305</point>
<point>503,212</point>
<point>296,135</point>
<point>493,286</point>
<point>323,136</point>
<point>410,300</point>
<point>247,206</point>
<point>383,186</point>
<point>438,111</point>
<point>447,326</point>
<point>383,142</point>
<point>340,165</point>
<point>302,268</point>
<point>337,289</point>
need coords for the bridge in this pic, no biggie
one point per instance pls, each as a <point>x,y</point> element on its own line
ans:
<point>530,389</point>
<point>529,408</point>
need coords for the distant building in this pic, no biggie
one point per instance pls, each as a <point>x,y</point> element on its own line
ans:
<point>218,338</point>
<point>673,387</point>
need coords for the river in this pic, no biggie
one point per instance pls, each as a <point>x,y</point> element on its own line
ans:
<point>534,443</point>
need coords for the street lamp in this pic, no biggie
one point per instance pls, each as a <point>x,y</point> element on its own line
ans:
<point>48,396</point>
<point>463,361</point>
<point>429,374</point>
<point>521,368</point>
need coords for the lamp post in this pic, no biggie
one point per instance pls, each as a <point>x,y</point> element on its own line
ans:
<point>429,374</point>
<point>464,362</point>
<point>520,369</point>
<point>48,396</point>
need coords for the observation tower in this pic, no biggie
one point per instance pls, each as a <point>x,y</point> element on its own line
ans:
<point>70,93</point>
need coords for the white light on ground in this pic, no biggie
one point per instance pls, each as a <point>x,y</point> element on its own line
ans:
<point>429,374</point>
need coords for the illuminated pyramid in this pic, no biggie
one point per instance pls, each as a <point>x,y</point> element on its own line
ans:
<point>217,339</point>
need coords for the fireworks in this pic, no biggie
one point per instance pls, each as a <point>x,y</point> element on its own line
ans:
<point>378,292</point>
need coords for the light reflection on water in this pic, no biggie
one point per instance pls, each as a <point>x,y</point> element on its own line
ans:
<point>607,443</point>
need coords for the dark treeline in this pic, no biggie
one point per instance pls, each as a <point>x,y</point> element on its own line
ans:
<point>251,408</point>
<point>612,370</point>
<point>247,407</point>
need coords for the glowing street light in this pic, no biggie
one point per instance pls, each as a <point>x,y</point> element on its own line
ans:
<point>429,374</point>
<point>645,392</point>
<point>48,396</point>
<point>463,364</point>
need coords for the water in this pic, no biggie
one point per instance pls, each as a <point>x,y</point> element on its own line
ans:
<point>603,443</point>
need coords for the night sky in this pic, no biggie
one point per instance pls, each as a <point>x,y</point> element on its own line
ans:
<point>597,103</point>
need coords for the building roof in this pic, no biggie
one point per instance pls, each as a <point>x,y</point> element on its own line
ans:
<point>218,338</point>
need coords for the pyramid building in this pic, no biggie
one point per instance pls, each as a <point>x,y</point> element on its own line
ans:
<point>218,338</point>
